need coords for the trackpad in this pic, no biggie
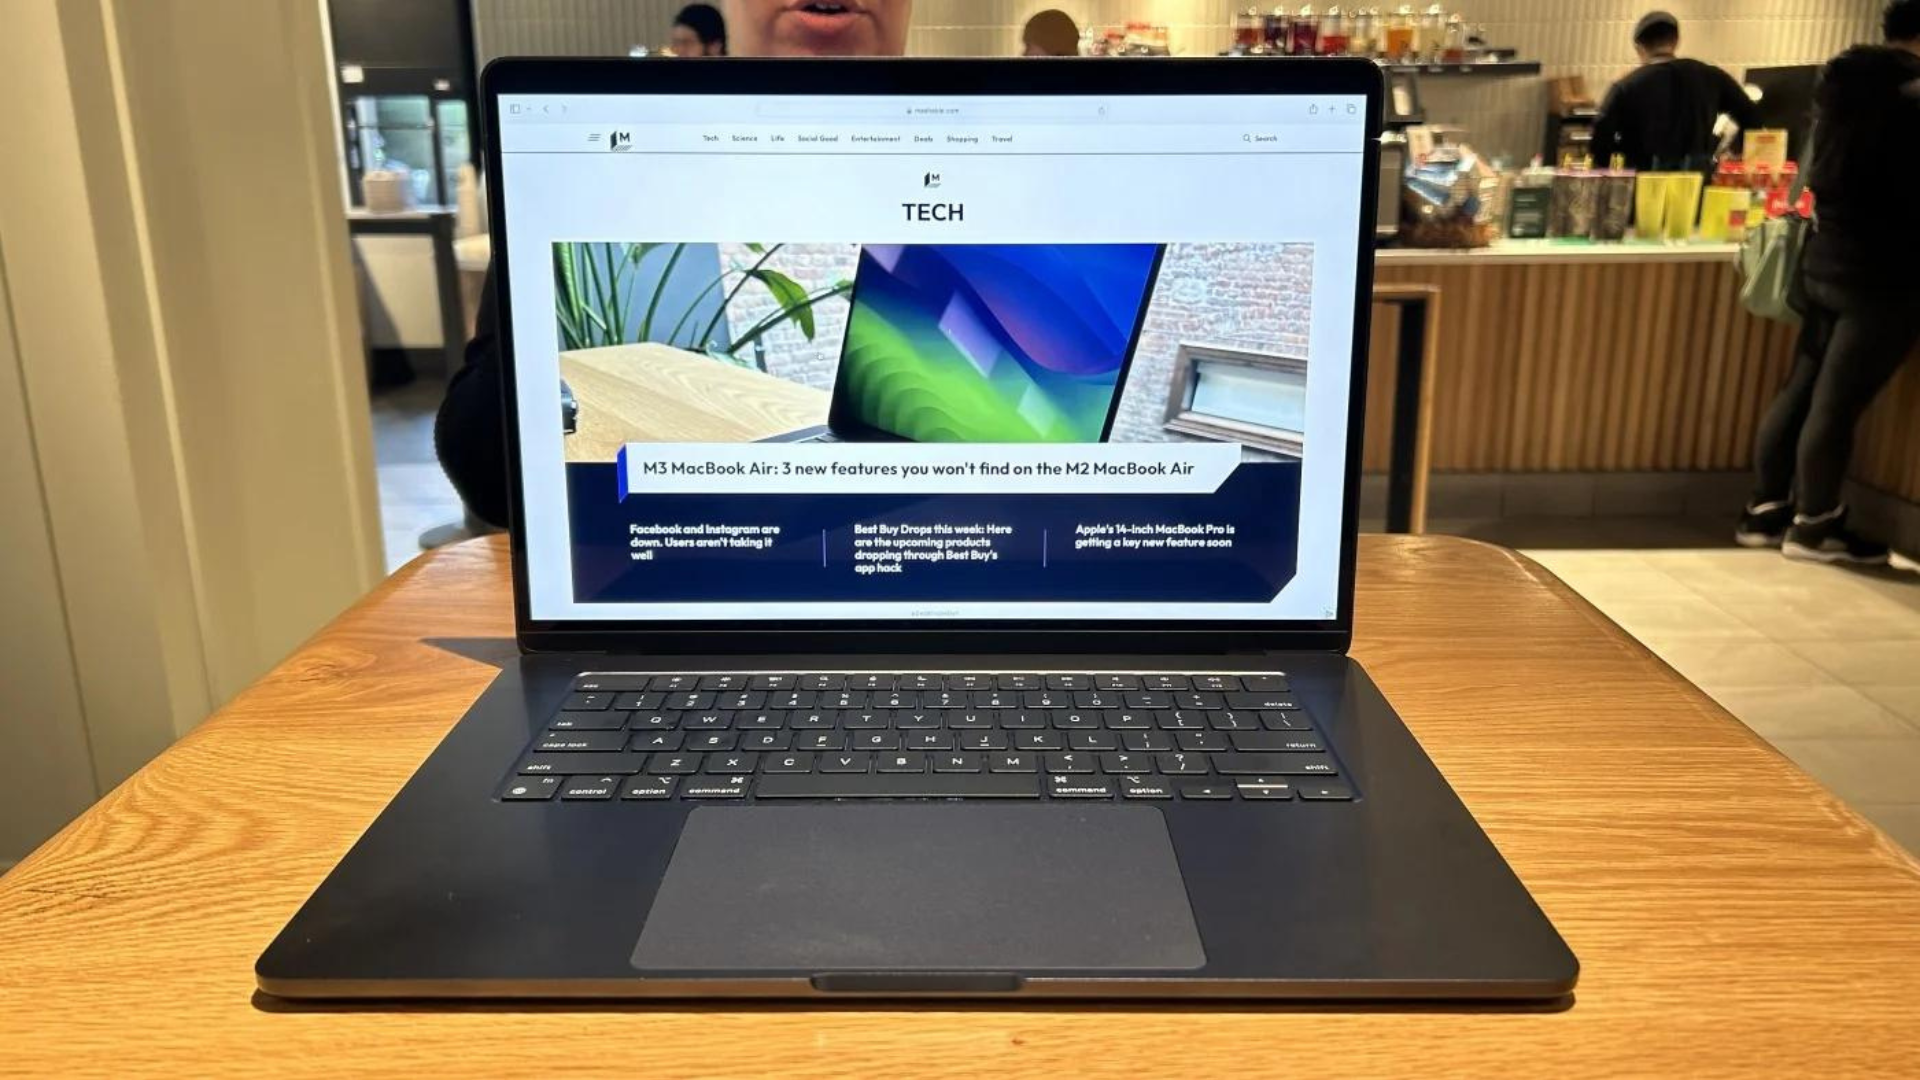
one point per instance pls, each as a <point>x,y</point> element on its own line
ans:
<point>833,887</point>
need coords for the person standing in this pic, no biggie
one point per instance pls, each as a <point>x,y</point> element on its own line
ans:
<point>469,432</point>
<point>1861,271</point>
<point>1050,33</point>
<point>1661,116</point>
<point>698,31</point>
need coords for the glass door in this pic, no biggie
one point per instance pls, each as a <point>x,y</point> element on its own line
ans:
<point>456,147</point>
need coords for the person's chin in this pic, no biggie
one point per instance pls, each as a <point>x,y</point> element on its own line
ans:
<point>809,33</point>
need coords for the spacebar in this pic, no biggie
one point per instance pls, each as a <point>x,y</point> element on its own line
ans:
<point>898,786</point>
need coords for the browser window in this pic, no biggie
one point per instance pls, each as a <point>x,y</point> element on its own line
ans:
<point>876,358</point>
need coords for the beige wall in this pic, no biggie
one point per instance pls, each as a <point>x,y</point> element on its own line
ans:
<point>1584,37</point>
<point>193,490</point>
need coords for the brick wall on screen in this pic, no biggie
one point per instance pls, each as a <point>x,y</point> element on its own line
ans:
<point>788,352</point>
<point>1244,296</point>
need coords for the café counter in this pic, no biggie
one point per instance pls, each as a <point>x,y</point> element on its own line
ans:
<point>1557,356</point>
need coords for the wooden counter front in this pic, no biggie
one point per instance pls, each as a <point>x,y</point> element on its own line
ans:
<point>1611,365</point>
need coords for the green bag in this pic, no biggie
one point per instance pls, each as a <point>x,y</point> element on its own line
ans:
<point>1770,259</point>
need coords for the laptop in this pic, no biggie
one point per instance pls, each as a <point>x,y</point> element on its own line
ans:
<point>942,342</point>
<point>918,718</point>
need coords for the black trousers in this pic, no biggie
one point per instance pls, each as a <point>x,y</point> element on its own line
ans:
<point>1851,343</point>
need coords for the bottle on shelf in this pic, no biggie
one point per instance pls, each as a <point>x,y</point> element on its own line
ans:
<point>1249,31</point>
<point>1454,48</point>
<point>1277,36</point>
<point>1304,40</point>
<point>1430,37</point>
<point>1336,35</point>
<point>1364,37</point>
<point>1398,35</point>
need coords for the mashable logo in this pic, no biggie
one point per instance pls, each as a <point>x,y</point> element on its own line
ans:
<point>931,180</point>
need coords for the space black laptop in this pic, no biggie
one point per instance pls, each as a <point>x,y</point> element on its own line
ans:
<point>977,717</point>
<point>1032,305</point>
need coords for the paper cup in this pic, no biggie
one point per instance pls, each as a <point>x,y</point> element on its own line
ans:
<point>1650,206</point>
<point>1683,204</point>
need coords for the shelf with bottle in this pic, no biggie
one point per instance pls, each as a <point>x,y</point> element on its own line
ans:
<point>1430,42</point>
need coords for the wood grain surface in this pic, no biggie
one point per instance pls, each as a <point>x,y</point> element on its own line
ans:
<point>1732,918</point>
<point>657,393</point>
<point>1612,367</point>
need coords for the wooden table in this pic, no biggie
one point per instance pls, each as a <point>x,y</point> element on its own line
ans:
<point>1732,917</point>
<point>657,393</point>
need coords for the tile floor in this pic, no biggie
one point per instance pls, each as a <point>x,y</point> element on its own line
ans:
<point>1821,662</point>
<point>414,493</point>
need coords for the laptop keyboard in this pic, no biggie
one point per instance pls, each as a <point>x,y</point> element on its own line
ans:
<point>971,735</point>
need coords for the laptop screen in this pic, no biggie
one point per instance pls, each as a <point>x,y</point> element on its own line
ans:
<point>865,359</point>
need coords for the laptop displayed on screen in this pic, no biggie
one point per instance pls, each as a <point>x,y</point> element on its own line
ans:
<point>886,627</point>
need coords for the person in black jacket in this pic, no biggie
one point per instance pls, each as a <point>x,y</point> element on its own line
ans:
<point>1661,116</point>
<point>1861,271</point>
<point>469,433</point>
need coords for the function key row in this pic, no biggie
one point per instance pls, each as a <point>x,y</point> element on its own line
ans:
<point>971,681</point>
<point>613,720</point>
<point>694,700</point>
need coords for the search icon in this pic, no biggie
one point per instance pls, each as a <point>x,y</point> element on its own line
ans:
<point>1246,138</point>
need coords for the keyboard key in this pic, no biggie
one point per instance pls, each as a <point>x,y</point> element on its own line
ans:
<point>1078,719</point>
<point>1039,740</point>
<point>773,682</point>
<point>588,701</point>
<point>811,720</point>
<point>908,762</point>
<point>788,763</point>
<point>653,721</point>
<point>1165,682</point>
<point>1278,764</point>
<point>971,719</point>
<point>895,699</point>
<point>1093,740</point>
<point>863,719</point>
<point>580,764</point>
<point>793,699</point>
<point>674,764</point>
<point>1045,699</point>
<point>1201,699</point>
<point>709,720</point>
<point>1013,763</point>
<point>1125,763</point>
<point>635,702</point>
<point>900,786</point>
<point>1145,787</point>
<point>1147,742</point>
<point>1324,790</point>
<point>1069,763</point>
<point>1182,719</point>
<point>1080,787</point>
<point>650,787</point>
<point>759,720</point>
<point>983,740</point>
<point>741,699</point>
<point>1147,699</point>
<point>822,682</point>
<point>1023,719</point>
<point>820,740</point>
<point>613,681</point>
<point>588,721</point>
<point>1017,681</point>
<point>590,787</point>
<point>1265,791</point>
<point>1276,683</point>
<point>1097,699</point>
<point>1179,764</point>
<point>994,699</point>
<point>1116,682</point>
<point>1277,742</point>
<point>1129,719</point>
<point>1233,720</point>
<point>973,681</point>
<point>1206,791</point>
<point>945,699</point>
<point>920,681</point>
<point>723,682</point>
<point>957,763</point>
<point>716,787</point>
<point>581,742</point>
<point>690,700</point>
<point>1216,682</point>
<point>869,681</point>
<point>653,741</point>
<point>721,764</point>
<point>1069,682</point>
<point>1263,699</point>
<point>850,762</point>
<point>927,740</point>
<point>531,788</point>
<point>1204,742</point>
<point>1285,720</point>
<point>917,720</point>
<point>766,740</point>
<point>710,740</point>
<point>875,740</point>
<point>668,684</point>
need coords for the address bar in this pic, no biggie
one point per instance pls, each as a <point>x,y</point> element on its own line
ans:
<point>966,112</point>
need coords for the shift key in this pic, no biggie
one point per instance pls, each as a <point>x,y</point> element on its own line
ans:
<point>1274,764</point>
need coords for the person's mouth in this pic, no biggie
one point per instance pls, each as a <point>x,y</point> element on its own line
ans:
<point>826,15</point>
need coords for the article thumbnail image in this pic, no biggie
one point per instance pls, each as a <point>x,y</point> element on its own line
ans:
<point>742,342</point>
